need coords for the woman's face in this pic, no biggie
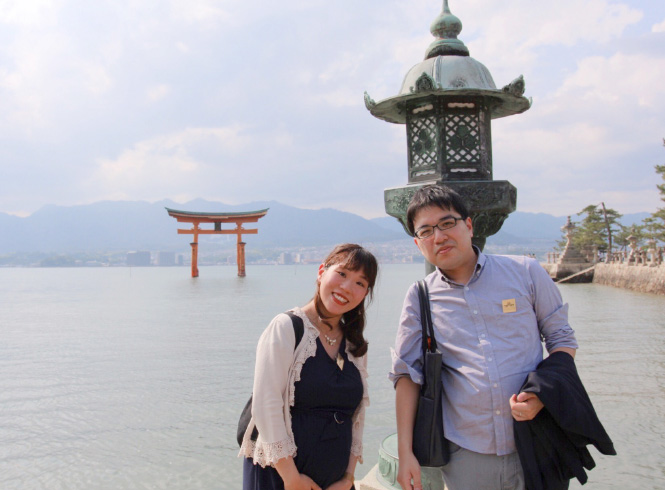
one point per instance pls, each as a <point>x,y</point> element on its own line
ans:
<point>341,289</point>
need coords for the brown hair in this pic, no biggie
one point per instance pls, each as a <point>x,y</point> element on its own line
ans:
<point>352,257</point>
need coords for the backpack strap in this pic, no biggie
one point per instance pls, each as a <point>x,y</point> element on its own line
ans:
<point>298,327</point>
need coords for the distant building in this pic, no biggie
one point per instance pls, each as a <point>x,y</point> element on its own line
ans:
<point>138,259</point>
<point>165,259</point>
<point>285,258</point>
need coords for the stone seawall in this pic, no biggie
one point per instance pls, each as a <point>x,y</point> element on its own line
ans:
<point>640,278</point>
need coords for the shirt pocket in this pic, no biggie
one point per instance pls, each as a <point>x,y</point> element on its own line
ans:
<point>511,321</point>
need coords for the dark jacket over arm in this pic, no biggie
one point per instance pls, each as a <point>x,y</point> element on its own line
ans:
<point>552,446</point>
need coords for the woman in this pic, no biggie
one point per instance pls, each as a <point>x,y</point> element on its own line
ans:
<point>309,402</point>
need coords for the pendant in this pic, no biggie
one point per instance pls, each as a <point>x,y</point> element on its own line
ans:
<point>329,340</point>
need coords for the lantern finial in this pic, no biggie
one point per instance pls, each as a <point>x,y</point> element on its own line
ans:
<point>446,27</point>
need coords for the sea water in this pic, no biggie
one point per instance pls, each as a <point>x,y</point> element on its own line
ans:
<point>133,378</point>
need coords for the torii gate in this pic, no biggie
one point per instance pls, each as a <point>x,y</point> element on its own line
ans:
<point>197,218</point>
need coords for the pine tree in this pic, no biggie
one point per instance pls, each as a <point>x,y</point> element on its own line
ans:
<point>593,229</point>
<point>656,224</point>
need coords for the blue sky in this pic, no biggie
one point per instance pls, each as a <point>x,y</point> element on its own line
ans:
<point>241,101</point>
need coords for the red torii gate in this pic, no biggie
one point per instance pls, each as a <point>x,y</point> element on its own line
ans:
<point>197,218</point>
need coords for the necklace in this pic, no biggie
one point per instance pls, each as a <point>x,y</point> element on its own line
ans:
<point>329,340</point>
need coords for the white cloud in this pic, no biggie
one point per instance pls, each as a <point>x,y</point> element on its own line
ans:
<point>203,12</point>
<point>203,160</point>
<point>595,138</point>
<point>27,12</point>
<point>273,95</point>
<point>158,92</point>
<point>636,79</point>
<point>660,27</point>
<point>168,157</point>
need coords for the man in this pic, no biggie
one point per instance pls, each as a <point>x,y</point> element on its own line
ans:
<point>490,316</point>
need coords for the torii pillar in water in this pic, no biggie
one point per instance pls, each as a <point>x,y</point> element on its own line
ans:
<point>198,218</point>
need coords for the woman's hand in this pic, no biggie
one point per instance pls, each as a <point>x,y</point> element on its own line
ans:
<point>302,482</point>
<point>525,406</point>
<point>293,480</point>
<point>342,484</point>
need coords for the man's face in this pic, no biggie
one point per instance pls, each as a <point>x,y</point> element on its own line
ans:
<point>449,250</point>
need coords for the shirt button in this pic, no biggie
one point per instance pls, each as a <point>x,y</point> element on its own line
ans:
<point>482,335</point>
<point>475,312</point>
<point>498,412</point>
<point>489,359</point>
<point>496,385</point>
<point>466,288</point>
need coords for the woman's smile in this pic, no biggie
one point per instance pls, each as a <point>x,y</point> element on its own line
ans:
<point>339,299</point>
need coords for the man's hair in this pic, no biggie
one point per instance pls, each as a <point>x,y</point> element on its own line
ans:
<point>439,196</point>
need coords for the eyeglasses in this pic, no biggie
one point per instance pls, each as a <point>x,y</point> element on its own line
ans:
<point>445,224</point>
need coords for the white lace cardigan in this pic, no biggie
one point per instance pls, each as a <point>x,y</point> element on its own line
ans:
<point>277,369</point>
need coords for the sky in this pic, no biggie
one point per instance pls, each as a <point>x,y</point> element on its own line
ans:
<point>253,100</point>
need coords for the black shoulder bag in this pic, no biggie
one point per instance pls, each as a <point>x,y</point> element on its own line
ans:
<point>429,444</point>
<point>298,329</point>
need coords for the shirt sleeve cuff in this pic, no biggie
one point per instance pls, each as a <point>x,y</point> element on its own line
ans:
<point>401,368</point>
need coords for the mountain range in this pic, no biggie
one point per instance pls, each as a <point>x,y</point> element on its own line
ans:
<point>116,226</point>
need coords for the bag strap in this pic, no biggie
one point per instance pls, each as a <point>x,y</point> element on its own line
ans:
<point>429,343</point>
<point>298,327</point>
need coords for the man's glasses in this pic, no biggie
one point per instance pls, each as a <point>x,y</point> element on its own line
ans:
<point>445,224</point>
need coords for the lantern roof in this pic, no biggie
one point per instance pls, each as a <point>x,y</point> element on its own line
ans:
<point>448,70</point>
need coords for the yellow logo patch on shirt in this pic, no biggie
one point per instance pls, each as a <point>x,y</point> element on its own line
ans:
<point>509,305</point>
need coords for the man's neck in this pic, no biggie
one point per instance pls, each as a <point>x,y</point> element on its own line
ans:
<point>464,273</point>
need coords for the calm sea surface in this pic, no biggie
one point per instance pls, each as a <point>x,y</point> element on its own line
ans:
<point>134,378</point>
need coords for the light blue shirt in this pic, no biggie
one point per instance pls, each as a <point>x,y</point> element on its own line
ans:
<point>490,334</point>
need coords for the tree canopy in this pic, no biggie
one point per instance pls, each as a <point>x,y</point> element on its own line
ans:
<point>593,229</point>
<point>656,223</point>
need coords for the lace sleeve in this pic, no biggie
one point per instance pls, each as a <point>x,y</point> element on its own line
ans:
<point>268,453</point>
<point>359,415</point>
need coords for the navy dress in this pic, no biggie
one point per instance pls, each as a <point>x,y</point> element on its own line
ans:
<point>326,397</point>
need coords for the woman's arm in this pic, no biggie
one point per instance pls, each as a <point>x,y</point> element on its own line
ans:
<point>274,356</point>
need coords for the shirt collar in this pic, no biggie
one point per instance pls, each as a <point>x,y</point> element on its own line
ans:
<point>481,259</point>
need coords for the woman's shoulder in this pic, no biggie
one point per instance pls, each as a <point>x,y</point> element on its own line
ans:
<point>282,318</point>
<point>282,325</point>
<point>279,328</point>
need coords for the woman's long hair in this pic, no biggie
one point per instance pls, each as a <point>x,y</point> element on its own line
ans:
<point>355,258</point>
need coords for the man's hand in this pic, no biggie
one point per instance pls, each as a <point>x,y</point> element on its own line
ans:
<point>525,406</point>
<point>409,469</point>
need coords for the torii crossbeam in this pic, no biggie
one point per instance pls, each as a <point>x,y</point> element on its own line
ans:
<point>198,218</point>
